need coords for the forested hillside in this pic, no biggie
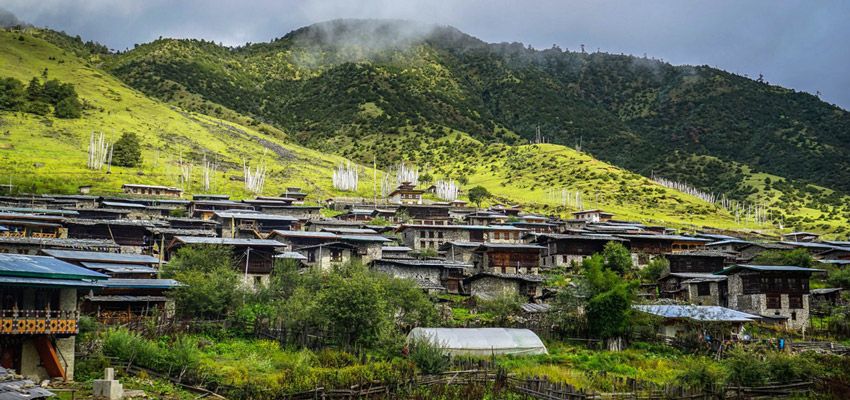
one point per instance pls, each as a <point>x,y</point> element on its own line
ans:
<point>357,78</point>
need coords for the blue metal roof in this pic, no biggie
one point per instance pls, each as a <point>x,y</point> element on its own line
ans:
<point>98,256</point>
<point>44,267</point>
<point>115,283</point>
<point>27,281</point>
<point>697,313</point>
<point>364,238</point>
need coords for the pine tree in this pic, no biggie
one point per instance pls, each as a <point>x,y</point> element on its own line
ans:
<point>127,151</point>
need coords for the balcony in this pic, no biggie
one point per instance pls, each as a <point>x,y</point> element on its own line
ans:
<point>38,322</point>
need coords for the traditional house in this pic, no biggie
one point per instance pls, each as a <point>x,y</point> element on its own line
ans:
<point>750,251</point>
<point>151,190</point>
<point>489,285</point>
<point>824,299</point>
<point>701,288</point>
<point>295,194</point>
<point>779,293</point>
<point>32,246</point>
<point>508,258</point>
<point>125,300</point>
<point>192,223</point>
<point>486,218</point>
<point>218,197</point>
<point>428,274</point>
<point>31,225</point>
<point>406,193</point>
<point>296,239</point>
<point>647,246</point>
<point>250,224</point>
<point>253,258</point>
<point>566,250</point>
<point>706,261</point>
<point>368,246</point>
<point>592,215</point>
<point>206,209</point>
<point>395,252</point>
<point>132,235</point>
<point>429,214</point>
<point>318,225</point>
<point>421,237</point>
<point>693,319</point>
<point>325,256</point>
<point>460,252</point>
<point>102,213</point>
<point>733,246</point>
<point>38,314</point>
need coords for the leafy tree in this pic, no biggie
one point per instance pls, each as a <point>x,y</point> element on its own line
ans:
<point>653,271</point>
<point>353,306</point>
<point>34,90</point>
<point>69,107</point>
<point>503,307</point>
<point>617,257</point>
<point>127,151</point>
<point>840,278</point>
<point>797,257</point>
<point>211,286</point>
<point>608,312</point>
<point>12,94</point>
<point>478,194</point>
<point>426,178</point>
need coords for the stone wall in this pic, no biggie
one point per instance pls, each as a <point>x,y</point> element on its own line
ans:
<point>493,287</point>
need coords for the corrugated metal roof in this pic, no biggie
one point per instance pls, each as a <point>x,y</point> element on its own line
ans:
<point>305,234</point>
<point>665,237</point>
<point>44,267</point>
<point>364,238</point>
<point>466,227</point>
<point>516,246</point>
<point>254,216</point>
<point>767,268</point>
<point>534,308</point>
<point>97,256</point>
<point>228,241</point>
<point>290,255</point>
<point>119,268</point>
<point>122,204</point>
<point>353,231</point>
<point>114,283</point>
<point>697,313</point>
<point>396,248</point>
<point>29,281</point>
<point>423,263</point>
<point>60,242</point>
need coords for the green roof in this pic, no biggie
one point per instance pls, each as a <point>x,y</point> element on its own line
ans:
<point>44,267</point>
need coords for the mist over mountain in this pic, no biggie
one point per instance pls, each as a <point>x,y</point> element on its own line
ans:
<point>8,19</point>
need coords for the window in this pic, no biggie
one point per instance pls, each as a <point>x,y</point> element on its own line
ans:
<point>793,316</point>
<point>311,256</point>
<point>440,234</point>
<point>336,255</point>
<point>774,300</point>
<point>431,234</point>
<point>704,289</point>
<point>497,235</point>
<point>421,244</point>
<point>795,301</point>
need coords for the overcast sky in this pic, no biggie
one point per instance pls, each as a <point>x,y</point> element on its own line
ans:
<point>799,44</point>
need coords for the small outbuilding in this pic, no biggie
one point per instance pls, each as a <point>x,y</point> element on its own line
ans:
<point>481,341</point>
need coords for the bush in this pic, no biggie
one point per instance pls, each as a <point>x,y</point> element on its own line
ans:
<point>429,358</point>
<point>127,152</point>
<point>702,374</point>
<point>69,107</point>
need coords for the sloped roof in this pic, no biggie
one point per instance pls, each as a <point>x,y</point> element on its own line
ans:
<point>119,268</point>
<point>697,313</point>
<point>767,268</point>
<point>49,268</point>
<point>115,283</point>
<point>481,341</point>
<point>98,256</point>
<point>228,241</point>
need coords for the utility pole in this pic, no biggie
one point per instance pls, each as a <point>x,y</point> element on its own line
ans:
<point>375,179</point>
<point>247,259</point>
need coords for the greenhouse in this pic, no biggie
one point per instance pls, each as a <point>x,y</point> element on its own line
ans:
<point>481,341</point>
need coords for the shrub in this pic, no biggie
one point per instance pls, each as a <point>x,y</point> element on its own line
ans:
<point>702,374</point>
<point>69,107</point>
<point>127,152</point>
<point>428,357</point>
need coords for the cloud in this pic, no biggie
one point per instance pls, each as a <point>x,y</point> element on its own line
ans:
<point>796,43</point>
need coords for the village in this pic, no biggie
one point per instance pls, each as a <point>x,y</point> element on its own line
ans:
<point>67,257</point>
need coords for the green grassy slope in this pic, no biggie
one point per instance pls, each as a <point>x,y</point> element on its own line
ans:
<point>43,154</point>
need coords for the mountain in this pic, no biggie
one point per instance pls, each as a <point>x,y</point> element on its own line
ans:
<point>45,154</point>
<point>359,78</point>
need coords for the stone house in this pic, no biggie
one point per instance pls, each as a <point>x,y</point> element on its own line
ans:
<point>489,285</point>
<point>567,250</point>
<point>427,273</point>
<point>777,293</point>
<point>151,190</point>
<point>327,255</point>
<point>421,237</point>
<point>251,224</point>
<point>592,216</point>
